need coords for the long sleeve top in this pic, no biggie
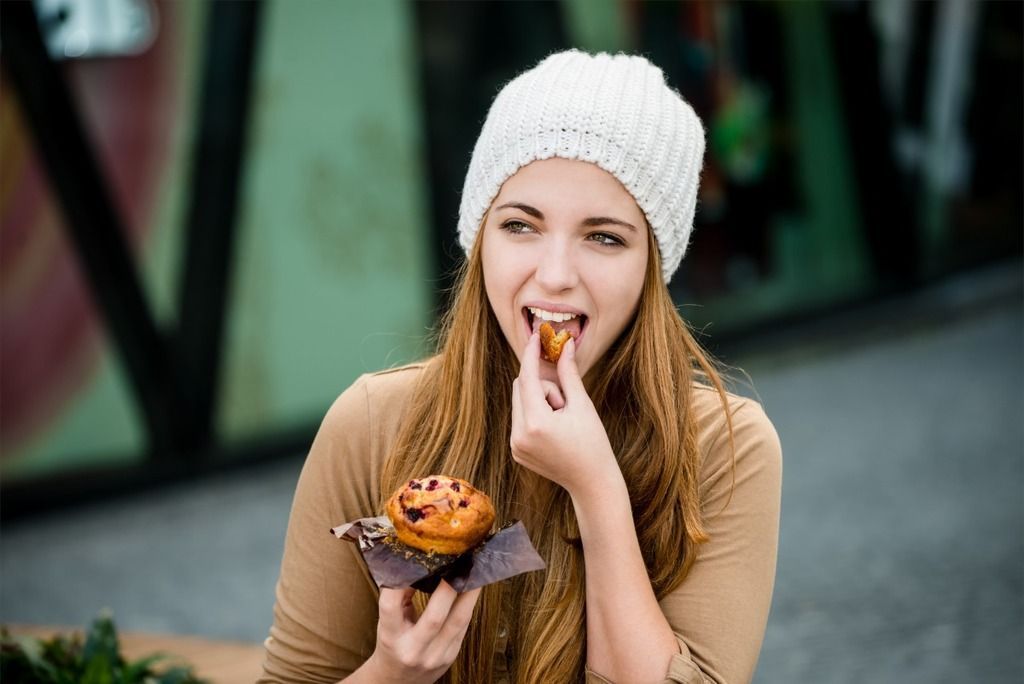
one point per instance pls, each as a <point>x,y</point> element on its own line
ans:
<point>325,614</point>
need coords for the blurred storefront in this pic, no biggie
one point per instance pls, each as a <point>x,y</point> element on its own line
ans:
<point>855,150</point>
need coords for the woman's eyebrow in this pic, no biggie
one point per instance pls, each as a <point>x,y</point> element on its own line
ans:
<point>525,208</point>
<point>592,221</point>
<point>606,220</point>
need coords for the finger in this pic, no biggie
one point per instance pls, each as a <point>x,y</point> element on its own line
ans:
<point>462,609</point>
<point>409,612</point>
<point>569,373</point>
<point>517,404</point>
<point>553,394</point>
<point>530,390</point>
<point>434,615</point>
<point>396,609</point>
<point>530,363</point>
<point>457,624</point>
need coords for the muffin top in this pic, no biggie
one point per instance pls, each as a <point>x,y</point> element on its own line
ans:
<point>436,495</point>
<point>441,514</point>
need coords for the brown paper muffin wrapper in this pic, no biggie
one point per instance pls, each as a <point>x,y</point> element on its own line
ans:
<point>394,565</point>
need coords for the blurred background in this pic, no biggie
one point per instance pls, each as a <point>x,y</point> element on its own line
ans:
<point>216,215</point>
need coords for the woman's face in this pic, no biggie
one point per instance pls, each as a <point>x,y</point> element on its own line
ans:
<point>564,238</point>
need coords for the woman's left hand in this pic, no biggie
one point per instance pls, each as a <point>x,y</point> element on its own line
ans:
<point>558,434</point>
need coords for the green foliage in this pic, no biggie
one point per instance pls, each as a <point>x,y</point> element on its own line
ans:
<point>66,660</point>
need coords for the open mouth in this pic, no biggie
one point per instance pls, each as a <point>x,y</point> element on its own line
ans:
<point>574,324</point>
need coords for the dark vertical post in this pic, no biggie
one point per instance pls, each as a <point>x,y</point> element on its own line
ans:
<point>216,176</point>
<point>91,219</point>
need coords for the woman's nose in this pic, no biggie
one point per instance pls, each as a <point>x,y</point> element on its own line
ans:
<point>557,269</point>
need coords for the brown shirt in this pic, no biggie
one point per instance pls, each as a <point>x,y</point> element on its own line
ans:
<point>325,617</point>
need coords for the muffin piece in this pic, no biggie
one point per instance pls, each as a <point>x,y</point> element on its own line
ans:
<point>550,343</point>
<point>440,514</point>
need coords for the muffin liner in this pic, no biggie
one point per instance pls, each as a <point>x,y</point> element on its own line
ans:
<point>394,565</point>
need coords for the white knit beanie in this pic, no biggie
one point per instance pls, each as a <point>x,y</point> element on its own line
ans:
<point>614,111</point>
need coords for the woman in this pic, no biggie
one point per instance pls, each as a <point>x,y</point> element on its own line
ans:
<point>651,493</point>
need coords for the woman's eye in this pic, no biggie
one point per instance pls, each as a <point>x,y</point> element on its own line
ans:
<point>515,227</point>
<point>607,239</point>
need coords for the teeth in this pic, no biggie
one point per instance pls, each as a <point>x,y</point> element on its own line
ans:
<point>553,316</point>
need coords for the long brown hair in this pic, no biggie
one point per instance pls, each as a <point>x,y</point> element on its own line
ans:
<point>458,423</point>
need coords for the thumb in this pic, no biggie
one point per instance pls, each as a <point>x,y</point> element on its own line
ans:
<point>568,373</point>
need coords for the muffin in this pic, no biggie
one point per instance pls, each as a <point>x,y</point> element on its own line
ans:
<point>440,514</point>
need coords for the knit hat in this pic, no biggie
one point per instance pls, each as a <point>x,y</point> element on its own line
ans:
<point>615,111</point>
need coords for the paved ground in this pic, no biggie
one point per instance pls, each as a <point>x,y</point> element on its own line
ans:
<point>902,550</point>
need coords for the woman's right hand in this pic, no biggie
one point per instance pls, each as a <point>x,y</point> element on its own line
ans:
<point>418,650</point>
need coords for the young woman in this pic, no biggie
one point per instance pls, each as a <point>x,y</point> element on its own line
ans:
<point>652,493</point>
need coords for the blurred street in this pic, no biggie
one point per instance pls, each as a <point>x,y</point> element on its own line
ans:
<point>902,547</point>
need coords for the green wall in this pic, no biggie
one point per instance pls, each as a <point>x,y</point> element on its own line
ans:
<point>331,277</point>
